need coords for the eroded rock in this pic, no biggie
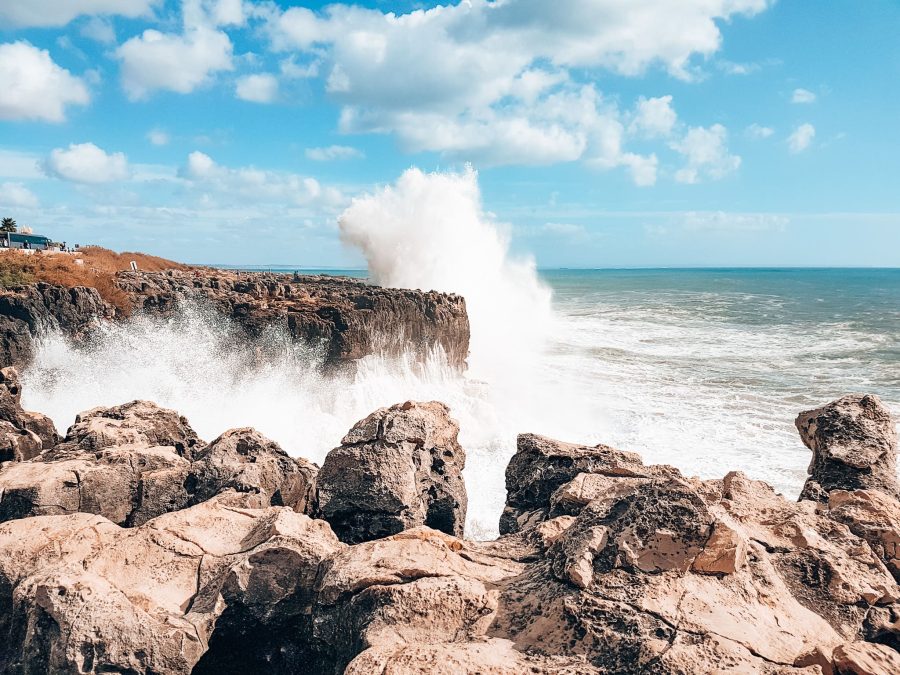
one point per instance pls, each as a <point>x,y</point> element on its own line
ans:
<point>398,468</point>
<point>854,446</point>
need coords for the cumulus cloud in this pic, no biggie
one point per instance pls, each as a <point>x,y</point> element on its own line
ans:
<point>33,87</point>
<point>259,88</point>
<point>801,138</point>
<point>180,62</point>
<point>99,30</point>
<point>505,108</point>
<point>706,153</point>
<point>18,196</point>
<point>803,96</point>
<point>758,131</point>
<point>244,183</point>
<point>44,13</point>
<point>86,163</point>
<point>654,117</point>
<point>333,152</point>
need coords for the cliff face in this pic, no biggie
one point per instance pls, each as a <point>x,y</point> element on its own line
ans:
<point>350,318</point>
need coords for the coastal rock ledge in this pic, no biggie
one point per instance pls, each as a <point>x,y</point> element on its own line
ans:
<point>346,318</point>
<point>133,546</point>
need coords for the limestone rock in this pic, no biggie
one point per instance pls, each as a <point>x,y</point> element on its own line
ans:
<point>875,517</point>
<point>865,658</point>
<point>854,446</point>
<point>83,595</point>
<point>398,468</point>
<point>18,428</point>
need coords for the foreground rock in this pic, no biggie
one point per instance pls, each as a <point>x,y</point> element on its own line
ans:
<point>133,462</point>
<point>398,468</point>
<point>23,434</point>
<point>854,446</point>
<point>608,567</point>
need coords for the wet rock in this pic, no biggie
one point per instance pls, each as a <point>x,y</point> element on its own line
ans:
<point>398,468</point>
<point>349,318</point>
<point>17,434</point>
<point>854,446</point>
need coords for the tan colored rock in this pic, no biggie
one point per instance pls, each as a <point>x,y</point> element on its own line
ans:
<point>875,517</point>
<point>23,434</point>
<point>18,444</point>
<point>87,596</point>
<point>399,468</point>
<point>725,551</point>
<point>865,658</point>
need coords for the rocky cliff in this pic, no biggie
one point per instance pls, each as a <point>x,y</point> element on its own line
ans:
<point>348,318</point>
<point>133,546</point>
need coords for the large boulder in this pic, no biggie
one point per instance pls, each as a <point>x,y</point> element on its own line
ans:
<point>79,594</point>
<point>136,461</point>
<point>854,447</point>
<point>399,468</point>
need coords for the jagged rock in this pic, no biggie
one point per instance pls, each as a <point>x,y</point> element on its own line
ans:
<point>873,516</point>
<point>398,468</point>
<point>133,462</point>
<point>80,594</point>
<point>349,317</point>
<point>19,445</point>
<point>854,446</point>
<point>246,461</point>
<point>27,312</point>
<point>138,424</point>
<point>541,466</point>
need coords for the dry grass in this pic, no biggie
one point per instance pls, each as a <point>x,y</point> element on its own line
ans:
<point>97,271</point>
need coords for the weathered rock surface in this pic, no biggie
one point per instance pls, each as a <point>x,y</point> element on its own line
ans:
<point>27,312</point>
<point>351,318</point>
<point>23,434</point>
<point>133,462</point>
<point>398,468</point>
<point>611,567</point>
<point>80,594</point>
<point>854,446</point>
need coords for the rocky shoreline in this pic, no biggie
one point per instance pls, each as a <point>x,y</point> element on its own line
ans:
<point>133,546</point>
<point>347,318</point>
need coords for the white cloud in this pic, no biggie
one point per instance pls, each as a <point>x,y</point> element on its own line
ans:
<point>257,185</point>
<point>706,152</point>
<point>16,164</point>
<point>44,13</point>
<point>180,62</point>
<point>503,107</point>
<point>720,221</point>
<point>99,29</point>
<point>86,163</point>
<point>18,196</point>
<point>33,87</point>
<point>260,88</point>
<point>158,137</point>
<point>758,131</point>
<point>654,117</point>
<point>801,138</point>
<point>803,96</point>
<point>333,152</point>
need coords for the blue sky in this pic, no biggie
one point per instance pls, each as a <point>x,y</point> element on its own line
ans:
<point>698,132</point>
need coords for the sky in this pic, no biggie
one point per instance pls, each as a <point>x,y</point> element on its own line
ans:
<point>604,133</point>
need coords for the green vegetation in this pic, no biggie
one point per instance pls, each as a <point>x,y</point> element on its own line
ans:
<point>8,225</point>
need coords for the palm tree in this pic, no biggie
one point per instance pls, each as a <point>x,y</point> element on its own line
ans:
<point>7,225</point>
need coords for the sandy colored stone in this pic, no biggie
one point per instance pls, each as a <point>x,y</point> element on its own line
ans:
<point>865,658</point>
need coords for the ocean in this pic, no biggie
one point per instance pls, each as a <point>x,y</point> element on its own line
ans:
<point>704,369</point>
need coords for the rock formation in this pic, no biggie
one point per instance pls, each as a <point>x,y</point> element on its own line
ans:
<point>398,468</point>
<point>23,434</point>
<point>348,318</point>
<point>607,566</point>
<point>854,446</point>
<point>133,462</point>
